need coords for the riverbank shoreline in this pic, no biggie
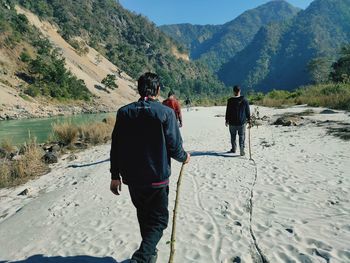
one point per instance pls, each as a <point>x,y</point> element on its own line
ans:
<point>19,112</point>
<point>20,163</point>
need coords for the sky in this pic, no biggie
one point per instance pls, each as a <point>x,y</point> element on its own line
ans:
<point>163,12</point>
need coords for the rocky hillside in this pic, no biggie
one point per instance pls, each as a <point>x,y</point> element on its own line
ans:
<point>55,55</point>
<point>43,75</point>
<point>130,41</point>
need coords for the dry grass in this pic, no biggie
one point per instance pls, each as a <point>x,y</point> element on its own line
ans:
<point>25,166</point>
<point>29,163</point>
<point>275,103</point>
<point>5,173</point>
<point>8,147</point>
<point>66,133</point>
<point>331,95</point>
<point>94,133</point>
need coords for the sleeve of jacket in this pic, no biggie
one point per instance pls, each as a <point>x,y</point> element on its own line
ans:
<point>178,111</point>
<point>247,110</point>
<point>173,138</point>
<point>227,116</point>
<point>114,152</point>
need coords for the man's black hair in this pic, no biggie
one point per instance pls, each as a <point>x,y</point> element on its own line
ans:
<point>171,92</point>
<point>236,89</point>
<point>148,84</point>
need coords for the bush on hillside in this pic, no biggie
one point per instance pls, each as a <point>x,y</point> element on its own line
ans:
<point>52,78</point>
<point>109,81</point>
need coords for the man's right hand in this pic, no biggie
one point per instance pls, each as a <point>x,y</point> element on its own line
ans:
<point>188,158</point>
<point>116,186</point>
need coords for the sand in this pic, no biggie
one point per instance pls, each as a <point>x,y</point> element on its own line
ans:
<point>292,206</point>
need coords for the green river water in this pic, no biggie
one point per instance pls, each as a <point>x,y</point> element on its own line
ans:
<point>18,130</point>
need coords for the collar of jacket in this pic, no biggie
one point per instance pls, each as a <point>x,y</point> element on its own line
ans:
<point>148,99</point>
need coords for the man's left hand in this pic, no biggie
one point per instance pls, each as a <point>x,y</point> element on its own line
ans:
<point>116,187</point>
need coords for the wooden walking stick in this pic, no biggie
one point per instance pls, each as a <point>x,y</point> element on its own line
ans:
<point>250,146</point>
<point>172,241</point>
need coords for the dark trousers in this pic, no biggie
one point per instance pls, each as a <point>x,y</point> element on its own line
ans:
<point>153,215</point>
<point>241,134</point>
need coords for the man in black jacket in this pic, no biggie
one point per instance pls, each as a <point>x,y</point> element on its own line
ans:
<point>237,115</point>
<point>145,137</point>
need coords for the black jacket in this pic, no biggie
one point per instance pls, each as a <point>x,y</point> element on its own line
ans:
<point>237,111</point>
<point>145,137</point>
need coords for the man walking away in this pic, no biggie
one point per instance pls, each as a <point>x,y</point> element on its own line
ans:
<point>188,103</point>
<point>237,115</point>
<point>145,137</point>
<point>173,103</point>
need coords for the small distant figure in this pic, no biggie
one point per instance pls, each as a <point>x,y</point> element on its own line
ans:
<point>188,103</point>
<point>173,103</point>
<point>237,115</point>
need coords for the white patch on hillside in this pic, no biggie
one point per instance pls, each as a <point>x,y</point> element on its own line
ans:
<point>85,67</point>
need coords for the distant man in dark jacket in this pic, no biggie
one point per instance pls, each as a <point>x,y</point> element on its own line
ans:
<point>145,137</point>
<point>188,103</point>
<point>173,103</point>
<point>237,115</point>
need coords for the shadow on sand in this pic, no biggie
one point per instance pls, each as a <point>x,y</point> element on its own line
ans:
<point>212,153</point>
<point>193,153</point>
<point>73,259</point>
<point>85,165</point>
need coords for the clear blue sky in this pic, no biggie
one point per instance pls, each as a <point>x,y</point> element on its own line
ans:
<point>196,11</point>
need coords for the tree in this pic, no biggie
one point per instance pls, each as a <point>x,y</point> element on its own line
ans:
<point>109,81</point>
<point>341,68</point>
<point>319,69</point>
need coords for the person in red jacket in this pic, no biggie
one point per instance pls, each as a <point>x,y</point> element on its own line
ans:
<point>173,103</point>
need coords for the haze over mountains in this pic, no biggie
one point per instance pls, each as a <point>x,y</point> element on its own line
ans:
<point>274,53</point>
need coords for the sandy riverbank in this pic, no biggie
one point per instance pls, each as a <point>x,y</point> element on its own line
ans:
<point>300,206</point>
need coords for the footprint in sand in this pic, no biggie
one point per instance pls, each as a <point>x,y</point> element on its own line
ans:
<point>304,258</point>
<point>318,244</point>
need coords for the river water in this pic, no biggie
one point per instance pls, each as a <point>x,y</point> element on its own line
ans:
<point>17,131</point>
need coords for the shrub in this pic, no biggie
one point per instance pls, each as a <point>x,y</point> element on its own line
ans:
<point>5,173</point>
<point>65,133</point>
<point>8,147</point>
<point>25,57</point>
<point>33,91</point>
<point>27,165</point>
<point>331,95</point>
<point>30,163</point>
<point>109,81</point>
<point>96,133</point>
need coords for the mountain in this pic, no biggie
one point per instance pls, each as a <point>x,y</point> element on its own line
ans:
<point>278,56</point>
<point>191,36</point>
<point>223,42</point>
<point>130,41</point>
